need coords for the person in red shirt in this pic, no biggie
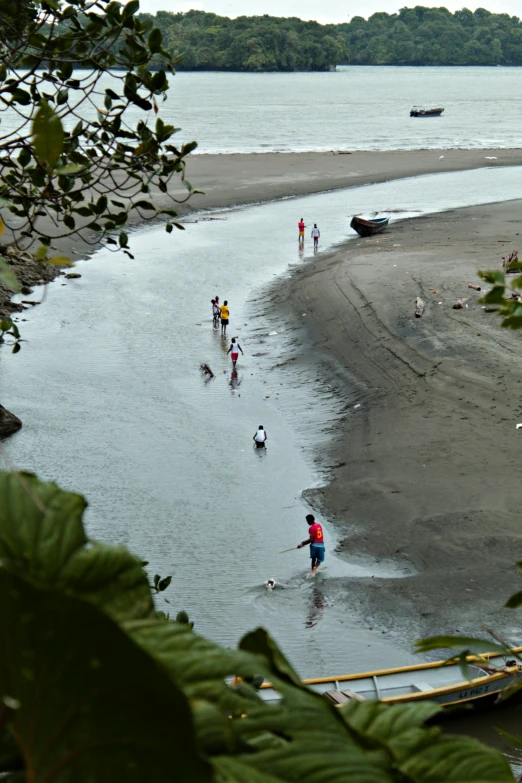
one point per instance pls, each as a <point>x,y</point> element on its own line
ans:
<point>316,541</point>
<point>301,226</point>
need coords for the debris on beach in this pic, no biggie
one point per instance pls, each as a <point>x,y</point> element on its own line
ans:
<point>206,369</point>
<point>419,307</point>
<point>511,258</point>
<point>341,152</point>
<point>433,290</point>
<point>358,405</point>
<point>519,426</point>
<point>474,286</point>
<point>459,304</point>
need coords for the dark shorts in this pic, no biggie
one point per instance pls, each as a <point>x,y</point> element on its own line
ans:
<point>260,444</point>
<point>224,322</point>
<point>317,552</point>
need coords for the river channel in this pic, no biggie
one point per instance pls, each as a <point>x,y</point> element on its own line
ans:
<point>114,405</point>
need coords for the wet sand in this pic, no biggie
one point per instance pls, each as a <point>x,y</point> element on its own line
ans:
<point>243,179</point>
<point>429,465</point>
<point>239,179</point>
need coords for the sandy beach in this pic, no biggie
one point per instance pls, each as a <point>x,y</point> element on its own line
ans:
<point>429,465</point>
<point>237,179</point>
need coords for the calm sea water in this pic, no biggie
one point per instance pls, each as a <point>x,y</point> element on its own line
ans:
<point>355,108</point>
<point>363,108</point>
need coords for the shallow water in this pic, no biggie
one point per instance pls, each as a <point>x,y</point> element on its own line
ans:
<point>356,108</point>
<point>114,406</point>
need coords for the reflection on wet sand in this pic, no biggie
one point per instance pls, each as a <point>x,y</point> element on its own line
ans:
<point>317,603</point>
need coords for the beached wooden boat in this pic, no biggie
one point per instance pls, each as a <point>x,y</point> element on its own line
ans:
<point>419,111</point>
<point>366,228</point>
<point>438,681</point>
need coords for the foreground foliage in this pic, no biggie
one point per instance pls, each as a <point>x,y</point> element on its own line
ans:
<point>413,36</point>
<point>98,686</point>
<point>82,142</point>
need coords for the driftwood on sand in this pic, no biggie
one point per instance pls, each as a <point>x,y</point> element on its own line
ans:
<point>419,307</point>
<point>511,258</point>
<point>206,369</point>
<point>474,286</point>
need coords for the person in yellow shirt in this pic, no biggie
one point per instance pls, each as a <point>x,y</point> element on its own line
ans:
<point>225,315</point>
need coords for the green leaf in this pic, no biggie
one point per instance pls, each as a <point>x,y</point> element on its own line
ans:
<point>48,136</point>
<point>8,277</point>
<point>474,645</point>
<point>512,322</point>
<point>71,168</point>
<point>60,261</point>
<point>24,158</point>
<point>145,205</point>
<point>260,642</point>
<point>511,738</point>
<point>155,41</point>
<point>495,296</point>
<point>42,538</point>
<point>129,9</point>
<point>123,239</point>
<point>80,687</point>
<point>514,601</point>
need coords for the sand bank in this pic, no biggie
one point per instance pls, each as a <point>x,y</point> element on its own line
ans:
<point>430,467</point>
<point>235,180</point>
<point>229,180</point>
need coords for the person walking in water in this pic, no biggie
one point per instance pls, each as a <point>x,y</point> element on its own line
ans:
<point>216,312</point>
<point>225,315</point>
<point>316,541</point>
<point>315,234</point>
<point>301,226</point>
<point>234,350</point>
<point>260,437</point>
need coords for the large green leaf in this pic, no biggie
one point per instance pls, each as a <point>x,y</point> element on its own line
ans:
<point>48,135</point>
<point>92,706</point>
<point>8,277</point>
<point>42,538</point>
<point>420,753</point>
<point>302,739</point>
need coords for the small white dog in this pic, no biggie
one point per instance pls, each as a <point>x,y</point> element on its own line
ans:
<point>270,584</point>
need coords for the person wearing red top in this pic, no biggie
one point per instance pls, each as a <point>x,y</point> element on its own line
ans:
<point>301,226</point>
<point>316,541</point>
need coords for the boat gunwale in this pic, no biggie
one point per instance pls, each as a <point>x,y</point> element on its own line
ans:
<point>409,668</point>
<point>459,686</point>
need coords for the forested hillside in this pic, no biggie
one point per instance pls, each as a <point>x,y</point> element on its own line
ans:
<point>255,43</point>
<point>434,36</point>
<point>414,36</point>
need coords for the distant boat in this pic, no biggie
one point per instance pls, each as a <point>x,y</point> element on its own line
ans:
<point>418,111</point>
<point>439,681</point>
<point>365,228</point>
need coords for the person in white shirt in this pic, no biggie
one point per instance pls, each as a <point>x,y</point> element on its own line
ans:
<point>216,312</point>
<point>260,437</point>
<point>315,234</point>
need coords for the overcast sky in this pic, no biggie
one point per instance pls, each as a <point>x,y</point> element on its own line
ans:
<point>321,10</point>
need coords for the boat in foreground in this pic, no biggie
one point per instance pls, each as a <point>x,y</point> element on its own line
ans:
<point>439,681</point>
<point>366,228</point>
<point>419,111</point>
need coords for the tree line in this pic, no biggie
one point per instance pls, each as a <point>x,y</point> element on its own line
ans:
<point>413,36</point>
